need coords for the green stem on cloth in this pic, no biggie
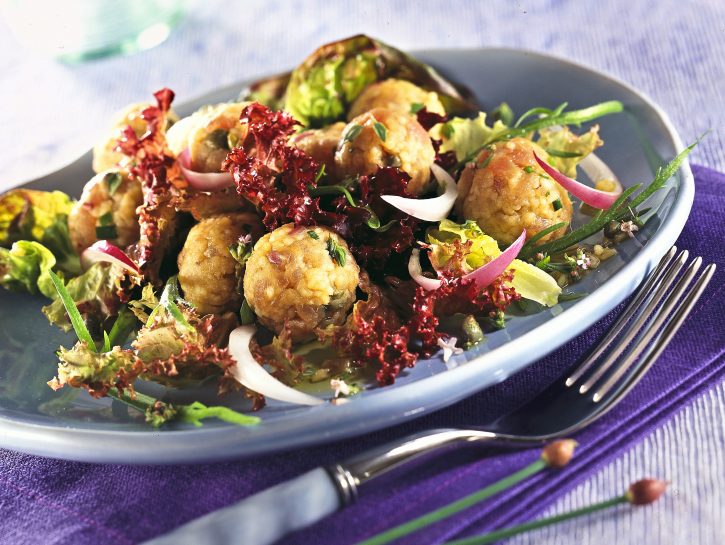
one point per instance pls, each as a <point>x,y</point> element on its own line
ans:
<point>455,507</point>
<point>504,533</point>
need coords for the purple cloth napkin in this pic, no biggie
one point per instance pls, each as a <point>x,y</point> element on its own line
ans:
<point>57,502</point>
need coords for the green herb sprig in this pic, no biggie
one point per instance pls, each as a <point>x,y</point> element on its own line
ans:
<point>548,118</point>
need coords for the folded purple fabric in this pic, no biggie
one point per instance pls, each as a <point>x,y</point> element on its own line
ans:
<point>56,502</point>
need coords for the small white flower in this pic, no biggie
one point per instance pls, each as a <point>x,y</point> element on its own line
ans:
<point>246,239</point>
<point>629,227</point>
<point>339,387</point>
<point>449,348</point>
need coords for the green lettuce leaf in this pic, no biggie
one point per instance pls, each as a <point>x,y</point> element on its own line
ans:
<point>445,244</point>
<point>567,149</point>
<point>40,216</point>
<point>94,293</point>
<point>25,267</point>
<point>465,136</point>
<point>83,367</point>
<point>323,86</point>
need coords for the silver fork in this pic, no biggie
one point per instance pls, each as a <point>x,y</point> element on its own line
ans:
<point>613,368</point>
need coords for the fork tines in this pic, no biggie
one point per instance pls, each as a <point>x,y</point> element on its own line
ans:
<point>646,325</point>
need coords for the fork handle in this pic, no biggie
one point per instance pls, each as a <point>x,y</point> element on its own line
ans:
<point>351,473</point>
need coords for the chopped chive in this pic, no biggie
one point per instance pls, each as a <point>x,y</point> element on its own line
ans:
<point>352,133</point>
<point>313,235</point>
<point>113,180</point>
<point>528,169</point>
<point>416,107</point>
<point>76,319</point>
<point>106,343</point>
<point>380,130</point>
<point>557,204</point>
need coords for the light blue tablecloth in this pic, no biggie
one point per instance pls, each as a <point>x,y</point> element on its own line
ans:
<point>672,50</point>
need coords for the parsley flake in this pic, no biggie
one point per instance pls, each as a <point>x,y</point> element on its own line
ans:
<point>528,169</point>
<point>113,180</point>
<point>313,235</point>
<point>380,130</point>
<point>557,204</point>
<point>337,252</point>
<point>352,133</point>
<point>415,107</point>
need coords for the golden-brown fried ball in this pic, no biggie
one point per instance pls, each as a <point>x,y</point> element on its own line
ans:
<point>209,134</point>
<point>106,210</point>
<point>505,191</point>
<point>208,274</point>
<point>321,145</point>
<point>394,94</point>
<point>301,278</point>
<point>385,138</point>
<point>104,156</point>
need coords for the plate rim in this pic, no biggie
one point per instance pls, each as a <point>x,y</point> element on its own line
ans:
<point>118,446</point>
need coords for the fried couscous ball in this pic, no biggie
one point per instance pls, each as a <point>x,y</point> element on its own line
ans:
<point>107,211</point>
<point>104,155</point>
<point>209,134</point>
<point>395,94</point>
<point>321,145</point>
<point>209,275</point>
<point>505,191</point>
<point>385,138</point>
<point>301,278</point>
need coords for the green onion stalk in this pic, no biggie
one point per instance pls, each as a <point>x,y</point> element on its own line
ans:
<point>642,492</point>
<point>556,454</point>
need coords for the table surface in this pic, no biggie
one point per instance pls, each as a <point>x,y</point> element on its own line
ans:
<point>671,50</point>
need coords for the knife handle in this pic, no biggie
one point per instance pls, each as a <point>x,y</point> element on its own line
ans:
<point>263,518</point>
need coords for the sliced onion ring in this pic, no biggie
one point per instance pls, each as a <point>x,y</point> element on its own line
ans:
<point>103,250</point>
<point>482,276</point>
<point>416,273</point>
<point>203,181</point>
<point>433,209</point>
<point>589,195</point>
<point>596,170</point>
<point>253,376</point>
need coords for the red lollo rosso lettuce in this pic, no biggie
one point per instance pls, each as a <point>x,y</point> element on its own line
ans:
<point>274,176</point>
<point>151,161</point>
<point>428,120</point>
<point>373,247</point>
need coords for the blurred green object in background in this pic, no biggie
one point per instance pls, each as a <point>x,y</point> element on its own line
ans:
<point>78,30</point>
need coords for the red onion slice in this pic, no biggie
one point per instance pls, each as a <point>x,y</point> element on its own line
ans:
<point>251,374</point>
<point>416,273</point>
<point>108,253</point>
<point>589,195</point>
<point>433,209</point>
<point>203,181</point>
<point>482,276</point>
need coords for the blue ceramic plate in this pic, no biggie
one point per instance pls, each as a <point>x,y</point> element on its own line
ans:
<point>70,424</point>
